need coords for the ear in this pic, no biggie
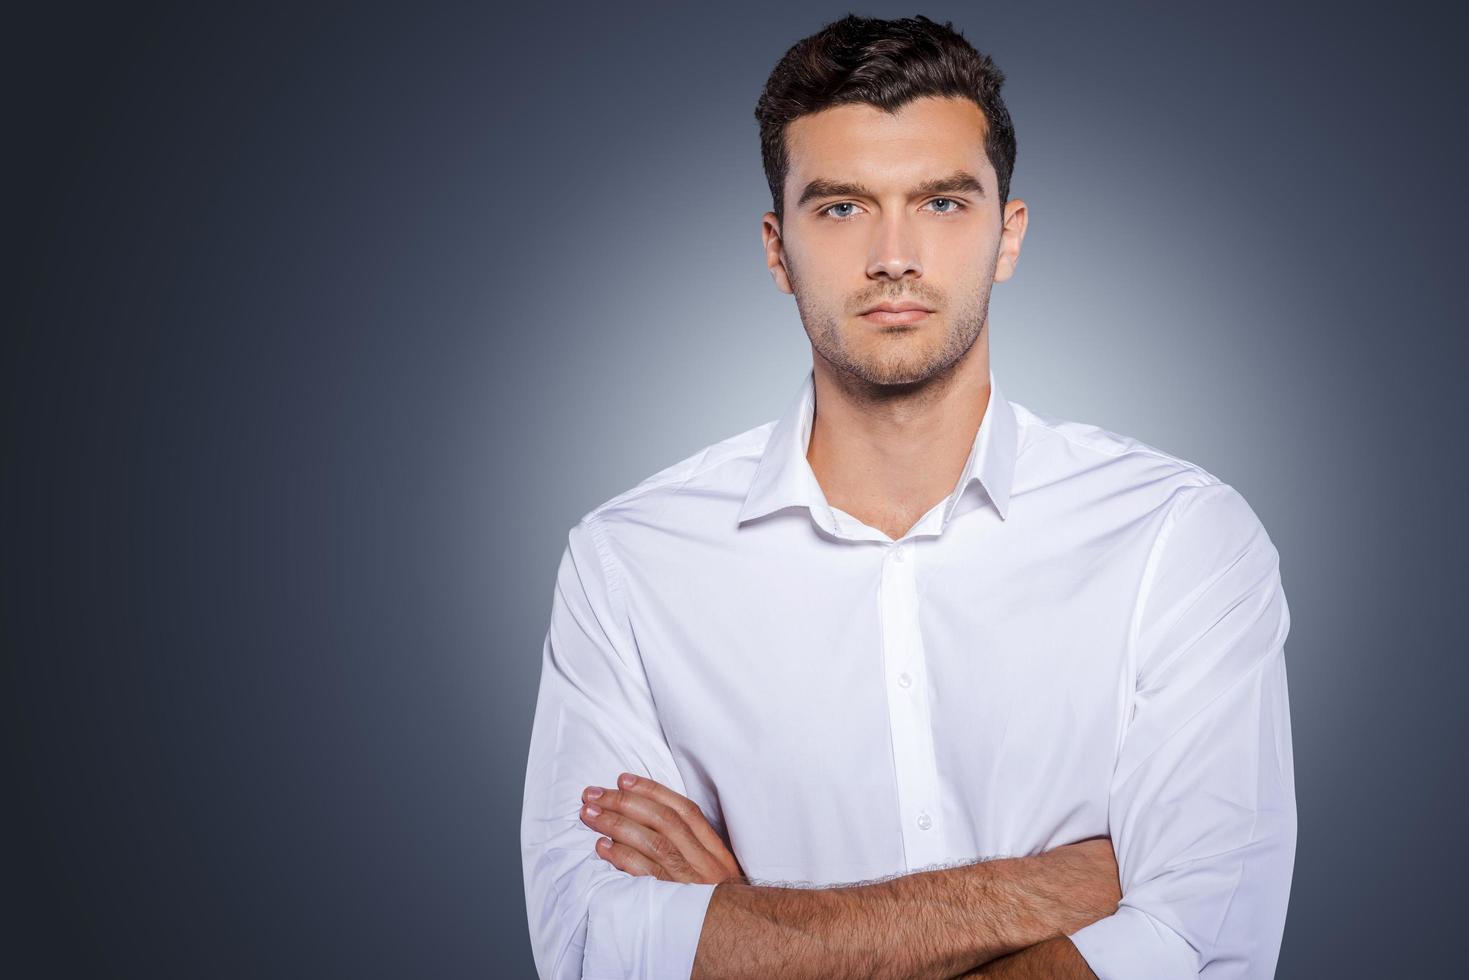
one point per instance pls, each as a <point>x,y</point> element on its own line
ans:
<point>775,252</point>
<point>1012,231</point>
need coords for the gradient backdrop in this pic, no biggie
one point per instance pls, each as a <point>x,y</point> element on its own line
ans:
<point>325,326</point>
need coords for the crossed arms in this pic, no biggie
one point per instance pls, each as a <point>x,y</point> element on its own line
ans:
<point>1002,918</point>
<point>931,924</point>
<point>1201,814</point>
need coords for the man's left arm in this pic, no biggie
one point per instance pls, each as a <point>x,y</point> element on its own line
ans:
<point>1202,813</point>
<point>1054,959</point>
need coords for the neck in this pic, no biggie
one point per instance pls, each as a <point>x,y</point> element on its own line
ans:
<point>887,453</point>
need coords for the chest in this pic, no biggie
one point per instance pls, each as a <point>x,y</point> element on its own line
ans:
<point>863,709</point>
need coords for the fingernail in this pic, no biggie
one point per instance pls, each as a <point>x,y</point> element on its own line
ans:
<point>603,843</point>
<point>593,811</point>
<point>594,792</point>
<point>628,780</point>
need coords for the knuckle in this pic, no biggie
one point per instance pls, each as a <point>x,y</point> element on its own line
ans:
<point>621,857</point>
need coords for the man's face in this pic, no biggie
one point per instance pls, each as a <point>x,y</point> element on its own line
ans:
<point>892,208</point>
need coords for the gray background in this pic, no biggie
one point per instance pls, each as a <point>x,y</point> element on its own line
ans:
<point>325,326</point>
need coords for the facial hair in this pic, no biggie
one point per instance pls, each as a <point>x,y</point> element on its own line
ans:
<point>897,361</point>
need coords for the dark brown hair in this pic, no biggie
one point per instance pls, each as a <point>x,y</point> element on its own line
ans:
<point>887,64</point>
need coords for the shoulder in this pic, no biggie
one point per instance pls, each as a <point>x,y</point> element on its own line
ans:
<point>1164,488</point>
<point>1056,444</point>
<point>720,469</point>
<point>1152,481</point>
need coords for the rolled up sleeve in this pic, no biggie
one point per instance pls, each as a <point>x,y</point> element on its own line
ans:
<point>1202,812</point>
<point>595,718</point>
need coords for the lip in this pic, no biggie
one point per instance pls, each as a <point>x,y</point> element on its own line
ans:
<point>895,314</point>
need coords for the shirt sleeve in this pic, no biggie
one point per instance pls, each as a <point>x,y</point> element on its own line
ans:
<point>595,718</point>
<point>1202,812</point>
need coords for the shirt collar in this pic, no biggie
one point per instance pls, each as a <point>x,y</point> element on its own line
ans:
<point>783,477</point>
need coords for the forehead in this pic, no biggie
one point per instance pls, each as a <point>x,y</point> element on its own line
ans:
<point>927,136</point>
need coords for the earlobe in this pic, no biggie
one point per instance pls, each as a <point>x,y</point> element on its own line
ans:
<point>778,273</point>
<point>1012,233</point>
<point>775,256</point>
<point>778,269</point>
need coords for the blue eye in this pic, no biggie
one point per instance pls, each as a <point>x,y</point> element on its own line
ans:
<point>954,208</point>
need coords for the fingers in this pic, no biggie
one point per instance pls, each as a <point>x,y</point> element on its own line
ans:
<point>676,818</point>
<point>687,810</point>
<point>630,860</point>
<point>692,817</point>
<point>652,829</point>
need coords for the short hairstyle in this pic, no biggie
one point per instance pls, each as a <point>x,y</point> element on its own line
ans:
<point>886,64</point>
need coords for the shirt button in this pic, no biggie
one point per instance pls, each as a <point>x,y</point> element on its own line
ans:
<point>904,680</point>
<point>897,552</point>
<point>924,821</point>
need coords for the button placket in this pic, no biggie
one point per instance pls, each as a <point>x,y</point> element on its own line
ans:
<point>910,724</point>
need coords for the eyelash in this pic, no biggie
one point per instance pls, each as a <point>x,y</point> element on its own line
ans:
<point>958,206</point>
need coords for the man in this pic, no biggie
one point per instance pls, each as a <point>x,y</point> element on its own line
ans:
<point>913,681</point>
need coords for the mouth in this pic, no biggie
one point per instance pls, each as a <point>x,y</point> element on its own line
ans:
<point>896,314</point>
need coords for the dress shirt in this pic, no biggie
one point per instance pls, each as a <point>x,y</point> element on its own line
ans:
<point>1085,637</point>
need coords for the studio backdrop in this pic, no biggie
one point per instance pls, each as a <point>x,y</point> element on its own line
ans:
<point>326,323</point>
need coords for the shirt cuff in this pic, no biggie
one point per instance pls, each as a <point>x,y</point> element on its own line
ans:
<point>643,927</point>
<point>1132,945</point>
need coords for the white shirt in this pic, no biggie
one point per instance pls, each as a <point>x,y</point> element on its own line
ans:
<point>1085,637</point>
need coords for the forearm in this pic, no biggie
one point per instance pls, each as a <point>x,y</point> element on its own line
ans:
<point>930,924</point>
<point>1055,959</point>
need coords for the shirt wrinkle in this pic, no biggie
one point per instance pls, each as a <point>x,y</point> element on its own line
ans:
<point>1093,644</point>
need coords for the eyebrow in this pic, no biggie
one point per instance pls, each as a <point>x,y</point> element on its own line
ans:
<point>954,183</point>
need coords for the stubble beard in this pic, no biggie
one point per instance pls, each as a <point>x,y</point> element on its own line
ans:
<point>897,359</point>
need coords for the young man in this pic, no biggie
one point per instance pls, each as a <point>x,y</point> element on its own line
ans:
<point>1000,694</point>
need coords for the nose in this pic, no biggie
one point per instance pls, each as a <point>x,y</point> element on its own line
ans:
<point>894,250</point>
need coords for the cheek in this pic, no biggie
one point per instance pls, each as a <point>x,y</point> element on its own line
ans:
<point>829,258</point>
<point>825,278</point>
<point>969,240</point>
<point>967,262</point>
